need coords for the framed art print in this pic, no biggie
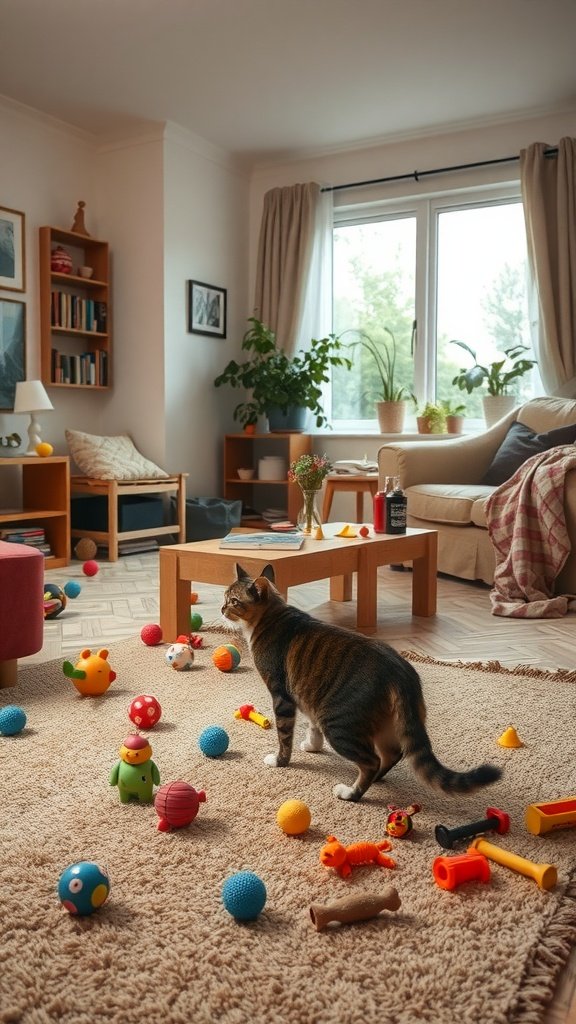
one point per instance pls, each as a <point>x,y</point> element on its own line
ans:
<point>206,309</point>
<point>12,350</point>
<point>12,263</point>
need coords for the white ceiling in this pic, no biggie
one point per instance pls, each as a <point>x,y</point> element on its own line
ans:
<point>269,78</point>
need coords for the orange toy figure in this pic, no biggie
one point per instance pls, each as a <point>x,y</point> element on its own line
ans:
<point>399,822</point>
<point>92,675</point>
<point>249,713</point>
<point>344,858</point>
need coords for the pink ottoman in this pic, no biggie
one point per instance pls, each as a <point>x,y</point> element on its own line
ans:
<point>21,606</point>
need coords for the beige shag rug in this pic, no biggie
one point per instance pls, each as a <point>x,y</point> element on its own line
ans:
<point>164,949</point>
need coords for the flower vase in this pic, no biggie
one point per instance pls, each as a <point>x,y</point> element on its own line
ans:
<point>308,518</point>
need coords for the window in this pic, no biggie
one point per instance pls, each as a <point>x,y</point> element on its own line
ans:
<point>431,271</point>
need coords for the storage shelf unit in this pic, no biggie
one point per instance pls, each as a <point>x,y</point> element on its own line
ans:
<point>45,502</point>
<point>242,451</point>
<point>75,356</point>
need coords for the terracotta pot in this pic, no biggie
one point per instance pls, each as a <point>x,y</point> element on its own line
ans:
<point>391,416</point>
<point>423,425</point>
<point>454,424</point>
<point>250,428</point>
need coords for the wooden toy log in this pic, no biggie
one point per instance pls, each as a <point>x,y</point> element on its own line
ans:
<point>545,875</point>
<point>354,908</point>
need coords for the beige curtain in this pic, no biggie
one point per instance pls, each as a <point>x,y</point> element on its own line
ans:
<point>285,251</point>
<point>549,199</point>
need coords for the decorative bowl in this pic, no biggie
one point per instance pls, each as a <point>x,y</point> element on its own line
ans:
<point>246,474</point>
<point>85,271</point>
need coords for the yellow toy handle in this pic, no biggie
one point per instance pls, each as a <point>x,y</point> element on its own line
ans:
<point>545,875</point>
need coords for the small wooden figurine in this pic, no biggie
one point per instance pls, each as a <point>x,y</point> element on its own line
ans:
<point>79,227</point>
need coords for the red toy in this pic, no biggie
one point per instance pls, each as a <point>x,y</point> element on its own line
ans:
<point>249,714</point>
<point>364,531</point>
<point>151,634</point>
<point>399,822</point>
<point>343,858</point>
<point>145,711</point>
<point>452,871</point>
<point>194,640</point>
<point>177,805</point>
<point>90,568</point>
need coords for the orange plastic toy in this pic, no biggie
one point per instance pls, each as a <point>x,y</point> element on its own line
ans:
<point>343,858</point>
<point>547,817</point>
<point>467,867</point>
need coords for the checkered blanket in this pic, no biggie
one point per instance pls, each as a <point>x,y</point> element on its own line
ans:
<point>527,527</point>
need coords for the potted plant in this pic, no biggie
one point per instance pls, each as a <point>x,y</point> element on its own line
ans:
<point>454,413</point>
<point>391,397</point>
<point>498,376</point>
<point>432,419</point>
<point>282,385</point>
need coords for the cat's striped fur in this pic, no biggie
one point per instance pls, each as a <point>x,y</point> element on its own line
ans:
<point>357,692</point>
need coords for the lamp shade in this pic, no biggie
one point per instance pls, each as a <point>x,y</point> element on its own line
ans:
<point>31,397</point>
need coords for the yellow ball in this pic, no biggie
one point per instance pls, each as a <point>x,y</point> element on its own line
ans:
<point>293,817</point>
<point>43,449</point>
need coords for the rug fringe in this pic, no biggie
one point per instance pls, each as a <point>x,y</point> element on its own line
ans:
<point>566,675</point>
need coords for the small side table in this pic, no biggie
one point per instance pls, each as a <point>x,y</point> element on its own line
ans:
<point>360,485</point>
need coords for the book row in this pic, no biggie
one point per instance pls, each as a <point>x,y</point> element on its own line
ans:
<point>32,537</point>
<point>72,312</point>
<point>90,368</point>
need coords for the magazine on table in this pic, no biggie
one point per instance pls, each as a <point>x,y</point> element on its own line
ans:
<point>270,541</point>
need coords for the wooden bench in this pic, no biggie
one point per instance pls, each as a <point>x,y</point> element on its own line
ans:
<point>115,489</point>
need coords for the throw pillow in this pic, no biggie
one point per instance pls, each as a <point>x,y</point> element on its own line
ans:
<point>110,458</point>
<point>519,444</point>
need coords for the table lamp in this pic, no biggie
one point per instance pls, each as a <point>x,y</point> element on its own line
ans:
<point>31,397</point>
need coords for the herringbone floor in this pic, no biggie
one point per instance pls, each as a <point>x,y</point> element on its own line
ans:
<point>123,596</point>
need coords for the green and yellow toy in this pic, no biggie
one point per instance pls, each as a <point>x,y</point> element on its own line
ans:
<point>136,773</point>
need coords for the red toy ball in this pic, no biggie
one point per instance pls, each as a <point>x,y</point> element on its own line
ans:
<point>151,634</point>
<point>144,711</point>
<point>177,805</point>
<point>90,568</point>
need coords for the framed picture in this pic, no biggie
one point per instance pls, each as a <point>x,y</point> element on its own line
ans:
<point>12,350</point>
<point>12,264</point>
<point>206,309</point>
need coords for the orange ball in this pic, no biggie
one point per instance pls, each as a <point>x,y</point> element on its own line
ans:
<point>293,817</point>
<point>44,449</point>
<point>193,597</point>
<point>226,657</point>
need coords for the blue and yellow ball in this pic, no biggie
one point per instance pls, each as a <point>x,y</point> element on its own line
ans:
<point>83,887</point>
<point>226,657</point>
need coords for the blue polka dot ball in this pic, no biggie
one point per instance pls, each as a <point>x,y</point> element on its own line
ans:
<point>83,887</point>
<point>12,720</point>
<point>244,895</point>
<point>213,742</point>
<point>72,588</point>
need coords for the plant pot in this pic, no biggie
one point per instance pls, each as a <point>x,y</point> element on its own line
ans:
<point>391,416</point>
<point>497,406</point>
<point>423,425</point>
<point>454,424</point>
<point>292,421</point>
<point>249,428</point>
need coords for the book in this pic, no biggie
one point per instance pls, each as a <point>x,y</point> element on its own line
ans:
<point>269,541</point>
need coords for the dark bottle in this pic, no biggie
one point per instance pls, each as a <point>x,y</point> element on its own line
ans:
<point>396,506</point>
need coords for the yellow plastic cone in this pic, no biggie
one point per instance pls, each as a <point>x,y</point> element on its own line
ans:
<point>347,531</point>
<point>319,534</point>
<point>510,738</point>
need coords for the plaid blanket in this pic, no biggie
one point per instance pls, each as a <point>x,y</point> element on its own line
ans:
<point>527,527</point>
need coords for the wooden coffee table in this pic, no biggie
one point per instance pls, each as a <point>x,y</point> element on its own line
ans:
<point>335,558</point>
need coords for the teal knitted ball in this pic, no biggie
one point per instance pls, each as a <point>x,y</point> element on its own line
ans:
<point>244,895</point>
<point>213,742</point>
<point>12,720</point>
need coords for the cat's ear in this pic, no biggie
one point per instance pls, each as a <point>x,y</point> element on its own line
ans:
<point>241,574</point>
<point>268,572</point>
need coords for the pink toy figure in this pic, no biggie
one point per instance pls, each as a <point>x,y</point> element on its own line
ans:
<point>343,858</point>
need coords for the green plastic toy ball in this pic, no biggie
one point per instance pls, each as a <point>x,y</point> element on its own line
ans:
<point>196,620</point>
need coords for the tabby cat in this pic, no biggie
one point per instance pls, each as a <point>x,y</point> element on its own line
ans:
<point>359,693</point>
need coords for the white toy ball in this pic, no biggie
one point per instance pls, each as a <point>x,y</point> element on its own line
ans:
<point>180,657</point>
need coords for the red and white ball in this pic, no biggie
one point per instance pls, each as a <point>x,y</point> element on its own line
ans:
<point>145,711</point>
<point>180,657</point>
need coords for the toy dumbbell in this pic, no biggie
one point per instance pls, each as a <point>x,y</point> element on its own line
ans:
<point>495,821</point>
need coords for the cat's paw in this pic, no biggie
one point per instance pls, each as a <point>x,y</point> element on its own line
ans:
<point>271,760</point>
<point>345,792</point>
<point>311,747</point>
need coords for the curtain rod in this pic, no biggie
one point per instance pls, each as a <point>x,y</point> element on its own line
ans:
<point>416,175</point>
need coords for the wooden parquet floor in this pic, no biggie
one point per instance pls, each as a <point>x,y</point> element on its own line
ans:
<point>123,596</point>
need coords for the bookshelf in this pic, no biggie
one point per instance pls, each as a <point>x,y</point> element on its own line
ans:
<point>75,331</point>
<point>242,451</point>
<point>44,503</point>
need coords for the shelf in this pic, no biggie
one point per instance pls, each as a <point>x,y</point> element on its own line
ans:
<point>45,501</point>
<point>244,450</point>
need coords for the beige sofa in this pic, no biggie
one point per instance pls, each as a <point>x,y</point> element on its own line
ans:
<point>441,480</point>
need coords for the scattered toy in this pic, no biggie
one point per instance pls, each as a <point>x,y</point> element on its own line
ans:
<point>194,640</point>
<point>83,887</point>
<point>151,634</point>
<point>145,711</point>
<point>177,804</point>
<point>354,908</point>
<point>495,821</point>
<point>319,533</point>
<point>72,588</point>
<point>346,531</point>
<point>135,773</point>
<point>44,449</point>
<point>344,858</point>
<point>399,822</point>
<point>226,657</point>
<point>92,674</point>
<point>90,568</point>
<point>196,621</point>
<point>450,872</point>
<point>547,817</point>
<point>180,657</point>
<point>293,817</point>
<point>364,531</point>
<point>193,597</point>
<point>545,875</point>
<point>54,600</point>
<point>249,713</point>
<point>214,741</point>
<point>85,549</point>
<point>510,738</point>
<point>244,895</point>
<point>12,720</point>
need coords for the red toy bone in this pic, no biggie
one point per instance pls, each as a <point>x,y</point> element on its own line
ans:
<point>343,858</point>
<point>399,821</point>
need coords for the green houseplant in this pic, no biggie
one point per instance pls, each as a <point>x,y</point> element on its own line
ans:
<point>432,419</point>
<point>390,397</point>
<point>278,381</point>
<point>454,412</point>
<point>497,377</point>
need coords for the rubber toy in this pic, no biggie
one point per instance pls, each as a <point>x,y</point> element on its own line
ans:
<point>547,817</point>
<point>495,821</point>
<point>399,821</point>
<point>135,773</point>
<point>151,634</point>
<point>344,858</point>
<point>545,875</point>
<point>364,531</point>
<point>83,887</point>
<point>72,588</point>
<point>196,620</point>
<point>226,657</point>
<point>92,674</point>
<point>346,531</point>
<point>44,449</point>
<point>319,533</point>
<point>510,738</point>
<point>244,895</point>
<point>12,720</point>
<point>354,908</point>
<point>449,872</point>
<point>177,804</point>
<point>193,597</point>
<point>194,640</point>
<point>54,600</point>
<point>180,657</point>
<point>145,711</point>
<point>293,817</point>
<point>90,568</point>
<point>213,741</point>
<point>249,713</point>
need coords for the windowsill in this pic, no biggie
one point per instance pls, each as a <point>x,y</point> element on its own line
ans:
<point>405,436</point>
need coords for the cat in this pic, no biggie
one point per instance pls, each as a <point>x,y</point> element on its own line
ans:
<point>357,692</point>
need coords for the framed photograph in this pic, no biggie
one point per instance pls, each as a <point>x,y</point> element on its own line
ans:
<point>206,309</point>
<point>12,350</point>
<point>12,264</point>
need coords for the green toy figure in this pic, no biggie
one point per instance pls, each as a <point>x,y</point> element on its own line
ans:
<point>135,774</point>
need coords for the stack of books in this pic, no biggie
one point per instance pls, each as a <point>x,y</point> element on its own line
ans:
<point>137,546</point>
<point>31,535</point>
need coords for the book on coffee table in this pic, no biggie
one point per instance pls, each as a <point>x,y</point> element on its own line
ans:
<point>271,541</point>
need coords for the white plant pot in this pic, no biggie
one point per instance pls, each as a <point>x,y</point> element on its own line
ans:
<point>497,406</point>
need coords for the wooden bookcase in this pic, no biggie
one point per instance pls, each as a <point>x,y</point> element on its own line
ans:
<point>75,314</point>
<point>242,451</point>
<point>45,502</point>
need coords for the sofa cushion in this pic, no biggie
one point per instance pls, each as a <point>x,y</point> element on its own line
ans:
<point>110,458</point>
<point>446,503</point>
<point>519,444</point>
